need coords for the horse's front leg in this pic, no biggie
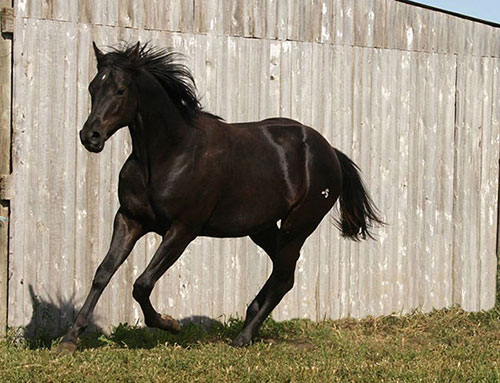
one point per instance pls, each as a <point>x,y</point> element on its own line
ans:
<point>126,232</point>
<point>174,242</point>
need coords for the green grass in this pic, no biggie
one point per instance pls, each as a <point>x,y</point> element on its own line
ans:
<point>444,346</point>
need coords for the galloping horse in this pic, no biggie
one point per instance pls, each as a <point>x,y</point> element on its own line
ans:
<point>192,174</point>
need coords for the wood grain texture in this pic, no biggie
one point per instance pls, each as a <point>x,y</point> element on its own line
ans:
<point>5,158</point>
<point>368,23</point>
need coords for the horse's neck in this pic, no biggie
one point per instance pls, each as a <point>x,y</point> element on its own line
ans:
<point>159,129</point>
<point>157,133</point>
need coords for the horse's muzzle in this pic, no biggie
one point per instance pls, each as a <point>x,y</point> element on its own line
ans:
<point>92,140</point>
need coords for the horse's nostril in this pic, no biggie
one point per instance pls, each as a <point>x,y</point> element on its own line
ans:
<point>94,137</point>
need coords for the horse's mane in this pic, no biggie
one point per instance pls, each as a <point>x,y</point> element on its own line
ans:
<point>165,66</point>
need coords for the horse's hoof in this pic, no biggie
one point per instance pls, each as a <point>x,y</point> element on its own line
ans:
<point>67,348</point>
<point>169,324</point>
<point>241,341</point>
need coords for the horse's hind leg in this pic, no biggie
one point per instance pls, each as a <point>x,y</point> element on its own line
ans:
<point>125,234</point>
<point>170,249</point>
<point>297,226</point>
<point>279,283</point>
<point>268,241</point>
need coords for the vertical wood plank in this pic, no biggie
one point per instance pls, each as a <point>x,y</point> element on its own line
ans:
<point>412,270</point>
<point>488,183</point>
<point>459,168</point>
<point>293,23</point>
<point>446,126</point>
<point>5,168</point>
<point>430,228</point>
<point>348,22</point>
<point>271,19</point>
<point>403,211</point>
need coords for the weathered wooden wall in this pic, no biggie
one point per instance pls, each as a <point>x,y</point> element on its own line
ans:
<point>5,168</point>
<point>365,23</point>
<point>410,94</point>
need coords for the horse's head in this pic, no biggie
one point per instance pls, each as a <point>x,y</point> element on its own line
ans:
<point>114,102</point>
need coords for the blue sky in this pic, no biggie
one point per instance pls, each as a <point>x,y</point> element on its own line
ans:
<point>481,9</point>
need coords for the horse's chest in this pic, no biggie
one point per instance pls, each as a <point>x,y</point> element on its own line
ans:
<point>134,195</point>
<point>153,202</point>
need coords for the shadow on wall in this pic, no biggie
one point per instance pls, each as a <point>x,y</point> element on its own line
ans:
<point>50,319</point>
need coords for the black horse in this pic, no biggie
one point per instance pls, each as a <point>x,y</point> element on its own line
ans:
<point>192,174</point>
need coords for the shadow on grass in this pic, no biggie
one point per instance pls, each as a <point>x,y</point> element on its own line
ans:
<point>195,330</point>
<point>51,318</point>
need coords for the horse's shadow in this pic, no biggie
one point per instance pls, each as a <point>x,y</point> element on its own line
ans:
<point>51,318</point>
<point>195,330</point>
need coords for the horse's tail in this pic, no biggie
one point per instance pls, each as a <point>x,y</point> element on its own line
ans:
<point>358,213</point>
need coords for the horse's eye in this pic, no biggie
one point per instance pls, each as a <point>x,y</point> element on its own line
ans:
<point>120,91</point>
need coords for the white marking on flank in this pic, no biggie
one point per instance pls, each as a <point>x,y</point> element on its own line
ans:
<point>325,192</point>
<point>103,77</point>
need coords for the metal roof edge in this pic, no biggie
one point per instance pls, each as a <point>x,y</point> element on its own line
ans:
<point>460,15</point>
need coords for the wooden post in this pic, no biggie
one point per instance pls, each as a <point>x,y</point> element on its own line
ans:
<point>497,300</point>
<point>6,22</point>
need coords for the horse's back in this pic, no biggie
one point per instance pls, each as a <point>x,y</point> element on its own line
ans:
<point>273,164</point>
<point>296,143</point>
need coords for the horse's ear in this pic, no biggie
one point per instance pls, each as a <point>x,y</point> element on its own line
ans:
<point>97,51</point>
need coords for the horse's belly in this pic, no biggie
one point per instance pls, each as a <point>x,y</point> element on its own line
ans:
<point>237,218</point>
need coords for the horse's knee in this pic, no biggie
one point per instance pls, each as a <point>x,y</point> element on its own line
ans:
<point>142,289</point>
